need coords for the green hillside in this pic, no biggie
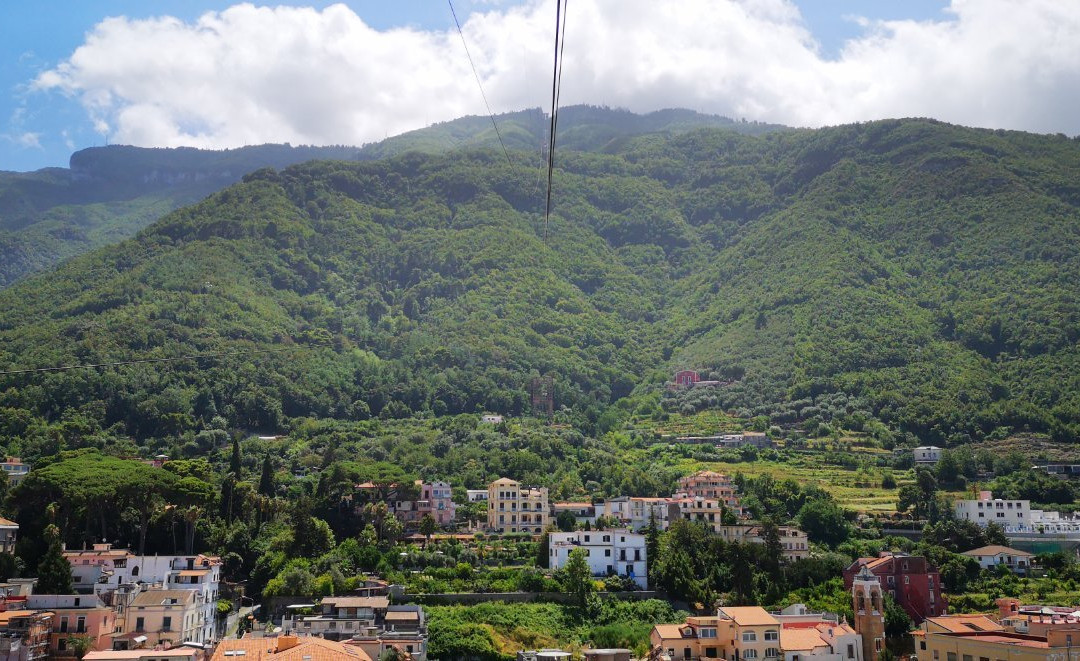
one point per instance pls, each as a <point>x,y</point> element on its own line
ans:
<point>908,272</point>
<point>110,193</point>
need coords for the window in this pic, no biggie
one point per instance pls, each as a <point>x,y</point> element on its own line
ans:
<point>63,625</point>
<point>139,624</point>
<point>750,654</point>
<point>950,656</point>
<point>80,624</point>
<point>967,657</point>
<point>771,653</point>
<point>166,625</point>
<point>749,637</point>
<point>851,651</point>
<point>710,653</point>
<point>907,580</point>
<point>62,645</point>
<point>935,655</point>
<point>707,632</point>
<point>772,635</point>
<point>922,644</point>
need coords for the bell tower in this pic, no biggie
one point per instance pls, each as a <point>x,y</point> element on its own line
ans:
<point>869,606</point>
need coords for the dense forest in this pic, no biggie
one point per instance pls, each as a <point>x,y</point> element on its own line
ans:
<point>922,273</point>
<point>110,193</point>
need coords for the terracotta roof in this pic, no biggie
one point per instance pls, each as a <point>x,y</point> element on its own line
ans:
<point>110,655</point>
<point>7,616</point>
<point>7,522</point>
<point>800,639</point>
<point>357,602</point>
<point>306,648</point>
<point>749,616</point>
<point>669,631</point>
<point>964,623</point>
<point>158,597</point>
<point>1005,638</point>
<point>402,616</point>
<point>996,549</point>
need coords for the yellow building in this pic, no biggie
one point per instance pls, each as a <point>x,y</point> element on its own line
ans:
<point>164,617</point>
<point>516,508</point>
<point>978,638</point>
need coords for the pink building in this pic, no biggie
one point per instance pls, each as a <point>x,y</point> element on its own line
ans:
<point>686,378</point>
<point>81,615</point>
<point>710,485</point>
<point>410,505</point>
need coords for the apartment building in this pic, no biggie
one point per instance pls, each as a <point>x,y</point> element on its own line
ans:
<point>24,635</point>
<point>103,569</point>
<point>9,534</point>
<point>75,615</point>
<point>608,552</point>
<point>977,637</point>
<point>15,470</point>
<point>514,508</point>
<point>986,510</point>
<point>709,485</point>
<point>369,622</point>
<point>163,617</point>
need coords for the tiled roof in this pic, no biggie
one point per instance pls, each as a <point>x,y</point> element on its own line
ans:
<point>800,639</point>
<point>964,623</point>
<point>7,522</point>
<point>748,616</point>
<point>357,602</point>
<point>669,631</point>
<point>996,549</point>
<point>158,597</point>
<point>306,648</point>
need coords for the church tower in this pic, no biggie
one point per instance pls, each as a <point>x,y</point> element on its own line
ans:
<point>869,607</point>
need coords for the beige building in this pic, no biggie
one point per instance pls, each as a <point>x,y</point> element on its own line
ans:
<point>164,617</point>
<point>515,508</point>
<point>978,638</point>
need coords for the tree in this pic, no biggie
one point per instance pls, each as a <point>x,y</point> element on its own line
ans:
<point>577,579</point>
<point>266,479</point>
<point>566,521</point>
<point>234,460</point>
<point>54,571</point>
<point>428,526</point>
<point>824,522</point>
<point>80,645</point>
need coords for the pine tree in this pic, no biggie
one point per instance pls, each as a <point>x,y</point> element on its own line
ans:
<point>54,571</point>
<point>266,480</point>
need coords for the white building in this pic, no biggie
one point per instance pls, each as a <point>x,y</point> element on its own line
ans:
<point>986,510</point>
<point>991,557</point>
<point>927,455</point>
<point>477,495</point>
<point>609,552</point>
<point>103,569</point>
<point>635,512</point>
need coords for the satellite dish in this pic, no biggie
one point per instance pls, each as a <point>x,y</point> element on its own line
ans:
<point>277,629</point>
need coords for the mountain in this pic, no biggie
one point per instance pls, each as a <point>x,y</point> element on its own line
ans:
<point>110,193</point>
<point>901,276</point>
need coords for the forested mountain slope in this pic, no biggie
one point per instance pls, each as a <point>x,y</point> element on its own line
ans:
<point>110,193</point>
<point>922,274</point>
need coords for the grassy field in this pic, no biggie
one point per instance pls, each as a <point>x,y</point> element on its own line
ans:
<point>859,490</point>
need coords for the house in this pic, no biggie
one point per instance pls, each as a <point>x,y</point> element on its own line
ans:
<point>103,569</point>
<point>1035,620</point>
<point>912,581</point>
<point>287,648</point>
<point>956,637</point>
<point>686,378</point>
<point>15,470</point>
<point>24,635</point>
<point>514,508</point>
<point>927,455</point>
<point>582,512</point>
<point>476,495</point>
<point>994,556</point>
<point>709,485</point>
<point>162,617</point>
<point>410,503</point>
<point>609,552</point>
<point>491,419</point>
<point>75,615</point>
<point>9,534</point>
<point>986,510</point>
<point>369,622</point>
<point>636,513</point>
<point>752,633</point>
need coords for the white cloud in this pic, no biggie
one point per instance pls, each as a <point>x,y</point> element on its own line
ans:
<point>255,74</point>
<point>26,140</point>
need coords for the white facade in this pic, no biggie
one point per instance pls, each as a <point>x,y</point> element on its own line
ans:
<point>105,569</point>
<point>608,551</point>
<point>477,495</point>
<point>987,510</point>
<point>637,512</point>
<point>990,557</point>
<point>927,454</point>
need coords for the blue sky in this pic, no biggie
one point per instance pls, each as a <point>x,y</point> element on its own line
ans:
<point>805,63</point>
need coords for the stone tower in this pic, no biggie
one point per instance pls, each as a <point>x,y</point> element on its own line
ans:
<point>869,607</point>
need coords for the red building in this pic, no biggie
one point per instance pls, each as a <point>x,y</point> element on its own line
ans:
<point>686,378</point>
<point>911,580</point>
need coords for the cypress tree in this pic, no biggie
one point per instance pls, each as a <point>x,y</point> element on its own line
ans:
<point>234,461</point>
<point>266,480</point>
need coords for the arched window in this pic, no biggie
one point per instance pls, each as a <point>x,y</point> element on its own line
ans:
<point>135,570</point>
